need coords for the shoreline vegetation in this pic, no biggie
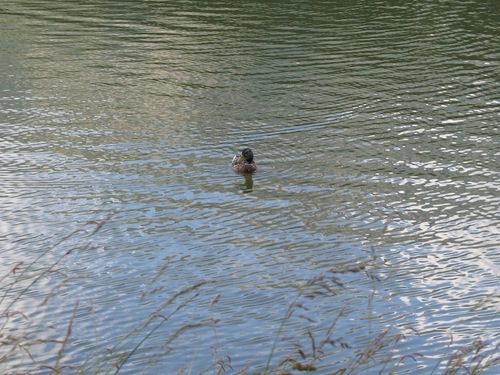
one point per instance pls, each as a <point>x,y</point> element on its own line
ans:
<point>310,350</point>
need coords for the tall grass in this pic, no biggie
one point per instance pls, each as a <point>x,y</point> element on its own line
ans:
<point>17,334</point>
<point>17,340</point>
<point>325,350</point>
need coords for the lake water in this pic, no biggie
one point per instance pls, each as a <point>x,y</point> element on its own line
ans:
<point>375,126</point>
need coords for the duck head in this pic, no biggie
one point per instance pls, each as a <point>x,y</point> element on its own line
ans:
<point>247,154</point>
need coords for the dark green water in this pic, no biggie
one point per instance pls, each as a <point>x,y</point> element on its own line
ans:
<point>375,126</point>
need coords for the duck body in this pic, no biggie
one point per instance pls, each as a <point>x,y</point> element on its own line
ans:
<point>244,163</point>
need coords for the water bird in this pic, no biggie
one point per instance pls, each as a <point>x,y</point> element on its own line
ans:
<point>244,163</point>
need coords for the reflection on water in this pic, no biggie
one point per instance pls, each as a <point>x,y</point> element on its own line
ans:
<point>247,185</point>
<point>375,127</point>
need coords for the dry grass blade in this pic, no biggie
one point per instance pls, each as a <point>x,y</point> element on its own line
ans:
<point>66,337</point>
<point>184,291</point>
<point>183,329</point>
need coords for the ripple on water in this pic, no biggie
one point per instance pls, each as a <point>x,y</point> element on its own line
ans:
<point>375,131</point>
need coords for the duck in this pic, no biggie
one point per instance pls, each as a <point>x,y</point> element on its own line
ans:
<point>244,163</point>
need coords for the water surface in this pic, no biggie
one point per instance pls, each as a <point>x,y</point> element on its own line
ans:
<point>376,129</point>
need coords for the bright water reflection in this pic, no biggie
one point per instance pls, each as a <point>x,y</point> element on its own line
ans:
<point>375,126</point>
